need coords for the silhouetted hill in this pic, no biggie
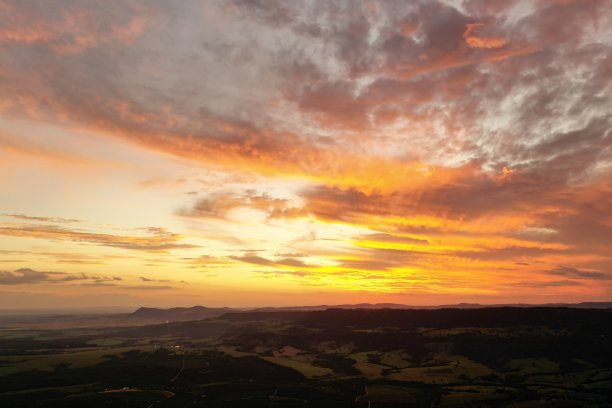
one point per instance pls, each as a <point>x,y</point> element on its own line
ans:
<point>178,313</point>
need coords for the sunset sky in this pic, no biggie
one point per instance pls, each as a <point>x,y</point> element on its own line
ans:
<point>248,153</point>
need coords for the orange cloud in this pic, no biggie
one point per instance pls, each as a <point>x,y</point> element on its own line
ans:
<point>75,29</point>
<point>481,42</point>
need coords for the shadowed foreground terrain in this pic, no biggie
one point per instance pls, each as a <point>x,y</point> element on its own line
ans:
<point>486,357</point>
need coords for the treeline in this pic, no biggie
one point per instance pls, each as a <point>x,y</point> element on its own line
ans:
<point>591,320</point>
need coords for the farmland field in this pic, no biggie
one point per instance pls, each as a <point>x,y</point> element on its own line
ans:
<point>332,358</point>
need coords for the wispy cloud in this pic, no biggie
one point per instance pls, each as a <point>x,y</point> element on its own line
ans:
<point>157,239</point>
<point>579,274</point>
<point>24,217</point>
<point>27,276</point>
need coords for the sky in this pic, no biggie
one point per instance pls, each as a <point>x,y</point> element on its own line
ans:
<point>249,153</point>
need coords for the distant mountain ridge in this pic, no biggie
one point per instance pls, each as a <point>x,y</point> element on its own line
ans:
<point>202,312</point>
<point>179,313</point>
<point>582,305</point>
<point>151,316</point>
